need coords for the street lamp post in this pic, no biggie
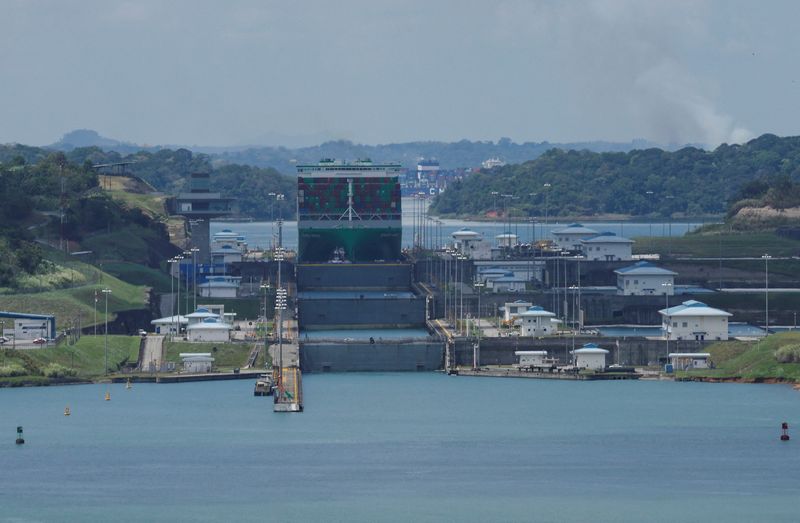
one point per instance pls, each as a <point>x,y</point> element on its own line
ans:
<point>105,368</point>
<point>766,293</point>
<point>546,201</point>
<point>667,286</point>
<point>194,250</point>
<point>186,255</point>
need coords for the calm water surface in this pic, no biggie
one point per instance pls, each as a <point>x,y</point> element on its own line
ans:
<point>399,447</point>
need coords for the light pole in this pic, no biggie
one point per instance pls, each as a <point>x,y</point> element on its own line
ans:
<point>667,288</point>
<point>266,287</point>
<point>194,250</point>
<point>546,201</point>
<point>766,293</point>
<point>650,200</point>
<point>186,255</point>
<point>105,369</point>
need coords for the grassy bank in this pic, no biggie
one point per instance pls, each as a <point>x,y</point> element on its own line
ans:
<point>85,359</point>
<point>751,360</point>
<point>715,245</point>
<point>226,355</point>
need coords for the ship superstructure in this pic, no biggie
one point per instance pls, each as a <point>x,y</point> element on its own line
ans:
<point>348,212</point>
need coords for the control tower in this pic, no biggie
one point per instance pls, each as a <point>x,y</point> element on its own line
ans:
<point>200,206</point>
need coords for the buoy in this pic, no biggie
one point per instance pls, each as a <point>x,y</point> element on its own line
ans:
<point>20,439</point>
<point>66,411</point>
<point>128,385</point>
<point>785,429</point>
<point>108,396</point>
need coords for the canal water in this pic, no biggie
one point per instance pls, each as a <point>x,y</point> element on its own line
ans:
<point>400,447</point>
<point>265,234</point>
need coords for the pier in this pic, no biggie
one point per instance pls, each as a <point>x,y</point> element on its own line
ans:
<point>511,372</point>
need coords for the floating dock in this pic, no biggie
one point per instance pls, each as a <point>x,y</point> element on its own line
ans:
<point>510,372</point>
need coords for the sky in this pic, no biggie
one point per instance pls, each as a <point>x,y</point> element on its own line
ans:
<point>292,71</point>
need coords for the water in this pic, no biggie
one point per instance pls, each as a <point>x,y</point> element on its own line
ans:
<point>400,447</point>
<point>264,234</point>
<point>735,329</point>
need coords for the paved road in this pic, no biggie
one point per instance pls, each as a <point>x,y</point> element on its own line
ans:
<point>153,355</point>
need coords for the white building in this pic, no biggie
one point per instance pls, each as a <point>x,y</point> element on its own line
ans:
<point>590,356</point>
<point>228,237</point>
<point>506,239</point>
<point>689,360</point>
<point>607,246</point>
<point>201,314</point>
<point>196,362</point>
<point>491,163</point>
<point>220,287</point>
<point>509,282</point>
<point>694,320</point>
<point>569,238</point>
<point>512,310</point>
<point>209,330</point>
<point>645,279</point>
<point>225,254</point>
<point>471,244</point>
<point>169,324</point>
<point>23,326</point>
<point>537,322</point>
<point>531,357</point>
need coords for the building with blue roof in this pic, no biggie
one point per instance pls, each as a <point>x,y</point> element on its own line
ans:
<point>569,238</point>
<point>645,279</point>
<point>694,320</point>
<point>607,246</point>
<point>23,326</point>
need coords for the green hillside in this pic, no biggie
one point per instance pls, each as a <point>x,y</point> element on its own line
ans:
<point>649,182</point>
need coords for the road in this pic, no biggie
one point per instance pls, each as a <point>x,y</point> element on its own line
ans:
<point>153,354</point>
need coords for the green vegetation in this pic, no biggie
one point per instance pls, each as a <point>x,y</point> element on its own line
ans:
<point>167,171</point>
<point>753,360</point>
<point>85,359</point>
<point>226,355</point>
<point>70,304</point>
<point>136,274</point>
<point>713,243</point>
<point>641,182</point>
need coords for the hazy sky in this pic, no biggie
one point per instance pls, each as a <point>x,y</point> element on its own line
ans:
<point>243,72</point>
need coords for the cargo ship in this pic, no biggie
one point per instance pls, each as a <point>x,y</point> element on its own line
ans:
<point>348,212</point>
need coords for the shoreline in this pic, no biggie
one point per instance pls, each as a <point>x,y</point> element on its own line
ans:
<point>35,381</point>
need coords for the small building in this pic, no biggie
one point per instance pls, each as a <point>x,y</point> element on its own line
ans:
<point>200,314</point>
<point>569,238</point>
<point>537,322</point>
<point>508,283</point>
<point>220,287</point>
<point>197,362</point>
<point>531,357</point>
<point>169,324</point>
<point>689,360</point>
<point>645,279</point>
<point>219,310</point>
<point>607,246</point>
<point>506,239</point>
<point>694,320</point>
<point>209,330</point>
<point>471,244</point>
<point>226,254</point>
<point>23,326</point>
<point>512,310</point>
<point>590,356</point>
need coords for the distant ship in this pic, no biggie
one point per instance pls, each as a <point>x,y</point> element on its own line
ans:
<point>348,212</point>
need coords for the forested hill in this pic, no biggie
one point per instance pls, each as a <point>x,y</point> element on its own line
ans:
<point>168,171</point>
<point>653,182</point>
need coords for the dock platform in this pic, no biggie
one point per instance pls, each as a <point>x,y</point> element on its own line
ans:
<point>510,372</point>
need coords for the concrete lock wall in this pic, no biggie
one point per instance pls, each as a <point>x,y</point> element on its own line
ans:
<point>631,351</point>
<point>368,311</point>
<point>384,357</point>
<point>389,276</point>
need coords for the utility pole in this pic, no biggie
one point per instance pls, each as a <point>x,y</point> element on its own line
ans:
<point>766,293</point>
<point>105,369</point>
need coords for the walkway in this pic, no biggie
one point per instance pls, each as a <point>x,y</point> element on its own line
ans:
<point>153,354</point>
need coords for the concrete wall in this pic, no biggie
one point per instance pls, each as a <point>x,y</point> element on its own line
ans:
<point>368,311</point>
<point>381,357</point>
<point>631,351</point>
<point>363,276</point>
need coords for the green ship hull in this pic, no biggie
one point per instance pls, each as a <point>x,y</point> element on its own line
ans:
<point>359,244</point>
